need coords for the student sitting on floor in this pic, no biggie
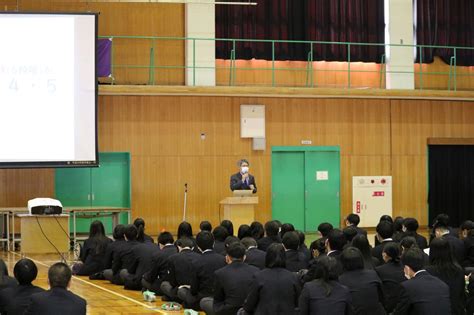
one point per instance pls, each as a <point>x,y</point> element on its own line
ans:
<point>93,253</point>
<point>253,256</point>
<point>271,236</point>
<point>295,261</point>
<point>16,300</point>
<point>115,246</point>
<point>202,281</point>
<point>58,299</point>
<point>159,270</point>
<point>141,236</point>
<point>123,258</point>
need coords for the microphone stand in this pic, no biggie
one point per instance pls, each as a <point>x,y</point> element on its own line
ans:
<point>185,200</point>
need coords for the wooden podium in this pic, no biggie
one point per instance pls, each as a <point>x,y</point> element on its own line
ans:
<point>55,227</point>
<point>239,210</point>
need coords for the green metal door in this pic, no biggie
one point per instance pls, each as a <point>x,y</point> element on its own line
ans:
<point>305,186</point>
<point>73,186</point>
<point>322,180</point>
<point>288,187</point>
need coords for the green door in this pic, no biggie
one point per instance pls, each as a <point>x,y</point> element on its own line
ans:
<point>321,188</point>
<point>288,188</point>
<point>73,186</point>
<point>305,186</point>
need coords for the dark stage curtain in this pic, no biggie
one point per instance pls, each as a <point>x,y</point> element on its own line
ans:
<point>451,182</point>
<point>304,20</point>
<point>445,23</point>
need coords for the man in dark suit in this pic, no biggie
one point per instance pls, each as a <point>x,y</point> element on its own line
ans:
<point>295,261</point>
<point>220,233</point>
<point>409,228</point>
<point>159,270</point>
<point>271,236</point>
<point>203,277</point>
<point>354,220</point>
<point>115,246</point>
<point>334,245</point>
<point>423,293</point>
<point>232,283</point>
<point>253,256</point>
<point>384,233</point>
<point>16,300</point>
<point>124,258</point>
<point>243,180</point>
<point>181,269</point>
<point>457,245</point>
<point>58,299</point>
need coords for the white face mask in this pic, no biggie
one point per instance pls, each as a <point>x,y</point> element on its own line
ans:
<point>244,169</point>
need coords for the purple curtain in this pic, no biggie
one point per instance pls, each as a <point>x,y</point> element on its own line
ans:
<point>445,23</point>
<point>302,20</point>
<point>104,64</point>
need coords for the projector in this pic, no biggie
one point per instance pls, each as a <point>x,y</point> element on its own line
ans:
<point>45,206</point>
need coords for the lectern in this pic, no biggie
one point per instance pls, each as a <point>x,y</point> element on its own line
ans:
<point>40,232</point>
<point>239,210</point>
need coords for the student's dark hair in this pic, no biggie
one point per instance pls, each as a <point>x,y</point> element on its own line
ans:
<point>278,223</point>
<point>276,256</point>
<point>220,233</point>
<point>353,219</point>
<point>349,232</point>
<point>229,226</point>
<point>119,230</point>
<point>411,224</point>
<point>442,219</point>
<point>385,229</point>
<point>165,238</point>
<point>256,230</point>
<point>230,240</point>
<point>323,272</point>
<point>131,232</point>
<point>392,250</point>
<point>467,225</point>
<point>386,217</point>
<point>325,228</point>
<point>291,240</point>
<point>352,259</point>
<point>140,224</point>
<point>185,230</point>
<point>398,224</point>
<point>236,251</point>
<point>301,236</point>
<point>59,275</point>
<point>205,240</point>
<point>185,242</point>
<point>97,235</point>
<point>248,241</point>
<point>287,227</point>
<point>336,239</point>
<point>441,225</point>
<point>361,242</point>
<point>244,231</point>
<point>413,258</point>
<point>271,228</point>
<point>205,226</point>
<point>3,271</point>
<point>442,259</point>
<point>408,242</point>
<point>319,245</point>
<point>25,271</point>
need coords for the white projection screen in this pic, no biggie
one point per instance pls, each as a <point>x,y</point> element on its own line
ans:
<point>48,90</point>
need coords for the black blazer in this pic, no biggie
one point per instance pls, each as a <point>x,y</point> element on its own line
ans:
<point>181,267</point>
<point>112,248</point>
<point>56,301</point>
<point>232,286</point>
<point>420,239</point>
<point>457,245</point>
<point>8,282</point>
<point>237,184</point>
<point>377,250</point>
<point>424,294</point>
<point>219,247</point>
<point>314,300</point>
<point>469,250</point>
<point>336,255</point>
<point>159,264</point>
<point>303,249</point>
<point>273,291</point>
<point>15,300</point>
<point>392,275</point>
<point>93,255</point>
<point>124,258</point>
<point>266,241</point>
<point>295,261</point>
<point>141,263</point>
<point>366,291</point>
<point>255,257</point>
<point>456,284</point>
<point>202,282</point>
<point>361,231</point>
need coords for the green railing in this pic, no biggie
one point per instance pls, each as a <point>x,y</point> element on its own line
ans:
<point>310,73</point>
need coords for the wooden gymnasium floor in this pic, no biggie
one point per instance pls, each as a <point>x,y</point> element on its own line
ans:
<point>102,297</point>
